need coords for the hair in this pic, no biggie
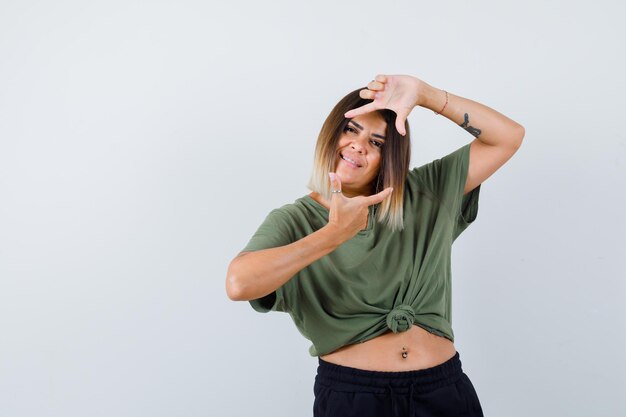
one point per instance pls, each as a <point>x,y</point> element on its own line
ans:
<point>394,161</point>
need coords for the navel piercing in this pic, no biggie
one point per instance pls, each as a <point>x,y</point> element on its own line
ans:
<point>404,354</point>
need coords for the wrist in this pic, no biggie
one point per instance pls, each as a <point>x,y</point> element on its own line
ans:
<point>432,98</point>
<point>333,235</point>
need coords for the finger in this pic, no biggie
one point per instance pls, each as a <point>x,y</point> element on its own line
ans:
<point>360,110</point>
<point>377,198</point>
<point>400,126</point>
<point>375,85</point>
<point>367,94</point>
<point>381,78</point>
<point>335,184</point>
<point>401,116</point>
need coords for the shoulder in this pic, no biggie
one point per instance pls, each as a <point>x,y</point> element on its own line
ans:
<point>290,212</point>
<point>417,181</point>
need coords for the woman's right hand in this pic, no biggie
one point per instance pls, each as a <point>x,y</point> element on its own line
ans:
<point>347,216</point>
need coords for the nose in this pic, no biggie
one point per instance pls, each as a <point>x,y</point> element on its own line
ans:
<point>357,146</point>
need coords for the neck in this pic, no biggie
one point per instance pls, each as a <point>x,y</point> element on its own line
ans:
<point>350,193</point>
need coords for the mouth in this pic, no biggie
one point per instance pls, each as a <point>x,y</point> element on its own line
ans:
<point>350,162</point>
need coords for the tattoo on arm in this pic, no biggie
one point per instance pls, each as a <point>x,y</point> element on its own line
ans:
<point>473,130</point>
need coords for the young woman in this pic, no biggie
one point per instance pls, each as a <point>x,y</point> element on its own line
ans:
<point>362,263</point>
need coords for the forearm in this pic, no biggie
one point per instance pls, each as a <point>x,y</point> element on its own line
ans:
<point>484,123</point>
<point>252,275</point>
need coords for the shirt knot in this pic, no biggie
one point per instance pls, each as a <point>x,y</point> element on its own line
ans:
<point>401,318</point>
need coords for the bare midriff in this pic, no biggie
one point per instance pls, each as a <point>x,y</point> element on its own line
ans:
<point>411,350</point>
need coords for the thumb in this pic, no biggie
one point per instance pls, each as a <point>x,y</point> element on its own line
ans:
<point>400,121</point>
<point>335,184</point>
<point>377,198</point>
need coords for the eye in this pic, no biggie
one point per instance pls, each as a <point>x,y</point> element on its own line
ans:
<point>350,129</point>
<point>377,143</point>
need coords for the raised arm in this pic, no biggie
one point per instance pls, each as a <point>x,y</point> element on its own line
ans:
<point>497,137</point>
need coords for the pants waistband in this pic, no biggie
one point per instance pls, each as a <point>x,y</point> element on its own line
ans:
<point>360,380</point>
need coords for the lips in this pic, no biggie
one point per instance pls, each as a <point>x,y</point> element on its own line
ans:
<point>350,159</point>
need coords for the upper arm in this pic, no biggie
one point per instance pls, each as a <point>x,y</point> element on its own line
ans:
<point>484,160</point>
<point>276,230</point>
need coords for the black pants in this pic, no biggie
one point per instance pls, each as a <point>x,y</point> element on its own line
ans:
<point>441,391</point>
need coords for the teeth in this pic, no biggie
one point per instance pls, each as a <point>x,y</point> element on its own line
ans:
<point>349,160</point>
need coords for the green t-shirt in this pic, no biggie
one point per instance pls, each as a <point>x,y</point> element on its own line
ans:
<point>378,281</point>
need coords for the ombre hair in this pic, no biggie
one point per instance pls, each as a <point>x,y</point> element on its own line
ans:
<point>394,159</point>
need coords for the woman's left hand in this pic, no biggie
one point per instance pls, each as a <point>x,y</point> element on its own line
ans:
<point>400,93</point>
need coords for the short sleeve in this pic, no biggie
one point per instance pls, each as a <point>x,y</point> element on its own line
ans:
<point>446,178</point>
<point>275,231</point>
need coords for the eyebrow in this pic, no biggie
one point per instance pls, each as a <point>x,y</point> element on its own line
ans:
<point>376,135</point>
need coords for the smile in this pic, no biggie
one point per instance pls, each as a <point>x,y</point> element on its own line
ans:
<point>350,161</point>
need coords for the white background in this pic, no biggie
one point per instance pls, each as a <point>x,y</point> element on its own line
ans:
<point>142,143</point>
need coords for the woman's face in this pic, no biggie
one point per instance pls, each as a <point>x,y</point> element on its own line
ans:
<point>361,141</point>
